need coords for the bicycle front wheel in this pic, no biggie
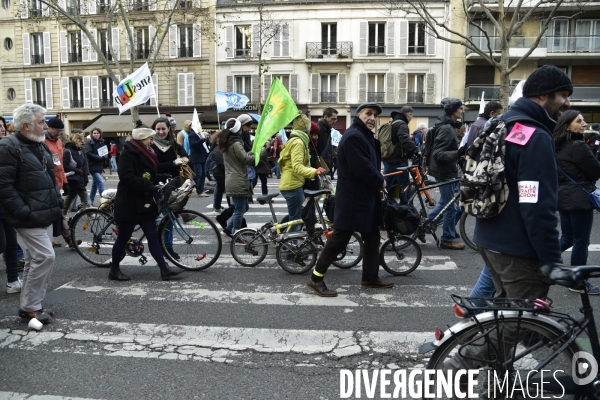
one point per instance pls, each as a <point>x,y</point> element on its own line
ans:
<point>400,255</point>
<point>467,229</point>
<point>248,247</point>
<point>94,233</point>
<point>191,242</point>
<point>510,346</point>
<point>352,255</point>
<point>296,255</point>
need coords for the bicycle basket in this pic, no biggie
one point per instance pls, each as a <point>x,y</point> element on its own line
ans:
<point>178,197</point>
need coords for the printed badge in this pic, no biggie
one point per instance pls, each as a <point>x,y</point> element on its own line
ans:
<point>528,191</point>
<point>55,159</point>
<point>520,134</point>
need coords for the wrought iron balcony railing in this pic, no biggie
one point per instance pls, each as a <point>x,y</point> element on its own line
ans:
<point>73,10</point>
<point>340,50</point>
<point>76,103</point>
<point>378,97</point>
<point>142,54</point>
<point>74,57</point>
<point>376,50</point>
<point>102,7</point>
<point>106,103</point>
<point>552,44</point>
<point>40,103</point>
<point>35,12</point>
<point>186,52</point>
<point>107,54</point>
<point>412,49</point>
<point>329,97</point>
<point>141,6</point>
<point>415,97</point>
<point>37,59</point>
<point>243,52</point>
<point>184,4</point>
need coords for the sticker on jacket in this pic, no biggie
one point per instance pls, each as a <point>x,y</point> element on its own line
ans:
<point>528,191</point>
<point>55,159</point>
<point>520,134</point>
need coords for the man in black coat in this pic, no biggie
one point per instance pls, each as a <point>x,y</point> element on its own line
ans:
<point>324,146</point>
<point>32,204</point>
<point>404,147</point>
<point>358,201</point>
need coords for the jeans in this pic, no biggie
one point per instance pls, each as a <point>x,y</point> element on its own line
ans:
<point>402,179</point>
<point>126,229</point>
<point>113,163</point>
<point>576,227</point>
<point>452,214</point>
<point>294,199</point>
<point>9,246</point>
<point>484,286</point>
<point>275,169</point>
<point>240,205</point>
<point>219,191</point>
<point>97,185</point>
<point>200,176</point>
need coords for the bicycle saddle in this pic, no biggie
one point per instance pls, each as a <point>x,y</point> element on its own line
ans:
<point>405,168</point>
<point>266,198</point>
<point>315,193</point>
<point>571,277</point>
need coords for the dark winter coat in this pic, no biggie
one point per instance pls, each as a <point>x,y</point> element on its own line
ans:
<point>137,176</point>
<point>198,153</point>
<point>443,162</point>
<point>79,180</point>
<point>166,159</point>
<point>263,166</point>
<point>577,160</point>
<point>476,129</point>
<point>219,170</point>
<point>28,191</point>
<point>95,162</point>
<point>358,200</point>
<point>404,147</point>
<point>324,147</point>
<point>527,229</point>
<point>236,160</point>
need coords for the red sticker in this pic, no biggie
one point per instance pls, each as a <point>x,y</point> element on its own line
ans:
<point>520,134</point>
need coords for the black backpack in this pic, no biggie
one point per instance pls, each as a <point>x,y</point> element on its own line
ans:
<point>427,144</point>
<point>400,218</point>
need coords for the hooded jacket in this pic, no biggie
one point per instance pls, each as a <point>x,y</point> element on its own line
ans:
<point>404,147</point>
<point>293,164</point>
<point>236,160</point>
<point>443,162</point>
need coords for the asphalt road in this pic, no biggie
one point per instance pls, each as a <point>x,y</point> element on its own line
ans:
<point>228,332</point>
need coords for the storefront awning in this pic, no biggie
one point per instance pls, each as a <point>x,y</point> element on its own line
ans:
<point>121,125</point>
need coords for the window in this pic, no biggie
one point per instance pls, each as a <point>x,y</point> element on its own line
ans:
<point>184,4</point>
<point>375,89</point>
<point>285,79</point>
<point>476,34</point>
<point>103,6</point>
<point>35,8</point>
<point>243,39</point>
<point>376,38</point>
<point>76,92</point>
<point>329,38</point>
<point>8,43</point>
<point>73,7</point>
<point>243,86</point>
<point>142,43</point>
<point>11,94</point>
<point>329,90</point>
<point>186,40</point>
<point>588,35</point>
<point>558,31</point>
<point>6,4</point>
<point>416,38</point>
<point>416,85</point>
<point>74,46</point>
<point>140,5</point>
<point>39,92</point>
<point>106,89</point>
<point>37,48</point>
<point>104,44</point>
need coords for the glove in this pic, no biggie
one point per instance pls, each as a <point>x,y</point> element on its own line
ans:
<point>462,151</point>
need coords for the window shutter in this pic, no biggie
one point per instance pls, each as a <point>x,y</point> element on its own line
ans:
<point>390,90</point>
<point>127,44</point>
<point>391,38</point>
<point>255,40</point>
<point>151,5</point>
<point>362,39</point>
<point>402,88</point>
<point>277,41</point>
<point>26,50</point>
<point>92,7</point>
<point>255,88</point>
<point>314,88</point>
<point>115,84</point>
<point>28,91</point>
<point>294,87</point>
<point>64,92</point>
<point>171,4</point>
<point>403,38</point>
<point>229,41</point>
<point>285,40</point>
<point>197,49</point>
<point>114,38</point>
<point>267,79</point>
<point>362,88</point>
<point>229,83</point>
<point>93,54</point>
<point>49,95</point>
<point>197,4</point>
<point>64,50</point>
<point>342,88</point>
<point>83,7</point>
<point>189,89</point>
<point>95,92</point>
<point>45,10</point>
<point>24,9</point>
<point>431,42</point>
<point>181,89</point>
<point>85,47</point>
<point>173,41</point>
<point>47,49</point>
<point>155,84</point>
<point>62,4</point>
<point>430,88</point>
<point>87,98</point>
<point>151,39</point>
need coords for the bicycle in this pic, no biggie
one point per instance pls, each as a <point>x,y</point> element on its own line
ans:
<point>189,239</point>
<point>249,246</point>
<point>517,338</point>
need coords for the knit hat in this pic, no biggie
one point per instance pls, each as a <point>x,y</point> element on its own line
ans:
<point>314,127</point>
<point>547,79</point>
<point>172,122</point>
<point>142,133</point>
<point>55,123</point>
<point>244,119</point>
<point>302,123</point>
<point>450,105</point>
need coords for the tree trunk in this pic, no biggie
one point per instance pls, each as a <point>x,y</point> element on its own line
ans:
<point>504,91</point>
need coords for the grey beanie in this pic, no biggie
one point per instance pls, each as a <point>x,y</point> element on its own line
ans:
<point>450,105</point>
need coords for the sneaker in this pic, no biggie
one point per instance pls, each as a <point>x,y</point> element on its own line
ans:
<point>14,287</point>
<point>203,194</point>
<point>219,210</point>
<point>591,289</point>
<point>452,245</point>
<point>44,316</point>
<point>21,264</point>
<point>226,232</point>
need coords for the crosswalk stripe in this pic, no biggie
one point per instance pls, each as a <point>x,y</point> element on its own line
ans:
<point>19,396</point>
<point>591,247</point>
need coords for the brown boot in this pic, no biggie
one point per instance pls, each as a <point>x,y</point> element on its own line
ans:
<point>452,245</point>
<point>378,284</point>
<point>56,244</point>
<point>320,288</point>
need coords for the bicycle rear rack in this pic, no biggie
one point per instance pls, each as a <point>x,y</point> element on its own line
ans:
<point>472,304</point>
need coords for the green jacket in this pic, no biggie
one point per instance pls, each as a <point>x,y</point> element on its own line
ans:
<point>293,163</point>
<point>236,172</point>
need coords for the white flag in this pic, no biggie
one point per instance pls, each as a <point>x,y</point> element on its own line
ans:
<point>135,89</point>
<point>481,104</point>
<point>196,126</point>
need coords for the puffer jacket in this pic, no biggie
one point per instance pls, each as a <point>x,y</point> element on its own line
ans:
<point>443,163</point>
<point>236,160</point>
<point>577,160</point>
<point>28,190</point>
<point>76,181</point>
<point>293,165</point>
<point>95,162</point>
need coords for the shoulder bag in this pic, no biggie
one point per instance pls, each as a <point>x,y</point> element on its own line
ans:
<point>594,196</point>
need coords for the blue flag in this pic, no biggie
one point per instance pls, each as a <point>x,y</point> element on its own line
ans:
<point>227,100</point>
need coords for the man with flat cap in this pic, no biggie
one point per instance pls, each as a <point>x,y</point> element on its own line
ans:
<point>358,201</point>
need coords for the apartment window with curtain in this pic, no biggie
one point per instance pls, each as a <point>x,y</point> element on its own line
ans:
<point>35,9</point>
<point>39,92</point>
<point>243,85</point>
<point>329,88</point>
<point>76,92</point>
<point>106,89</point>
<point>74,46</point>
<point>142,43</point>
<point>243,40</point>
<point>104,43</point>
<point>285,79</point>
<point>416,88</point>
<point>186,41</point>
<point>376,88</point>
<point>587,33</point>
<point>37,48</point>
<point>329,38</point>
<point>103,6</point>
<point>477,36</point>
<point>416,38</point>
<point>376,38</point>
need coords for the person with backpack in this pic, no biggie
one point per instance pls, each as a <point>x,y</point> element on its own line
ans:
<point>491,110</point>
<point>396,146</point>
<point>417,135</point>
<point>325,148</point>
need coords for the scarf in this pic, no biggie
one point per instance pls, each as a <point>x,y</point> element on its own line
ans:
<point>162,144</point>
<point>146,152</point>
<point>302,136</point>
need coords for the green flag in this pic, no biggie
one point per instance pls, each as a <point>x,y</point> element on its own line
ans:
<point>279,110</point>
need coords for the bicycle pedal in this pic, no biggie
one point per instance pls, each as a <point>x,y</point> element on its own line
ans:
<point>143,260</point>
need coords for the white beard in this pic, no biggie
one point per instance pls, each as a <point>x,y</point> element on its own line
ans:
<point>34,138</point>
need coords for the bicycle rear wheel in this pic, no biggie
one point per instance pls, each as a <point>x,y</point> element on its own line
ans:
<point>296,255</point>
<point>248,247</point>
<point>98,232</point>
<point>493,348</point>
<point>400,255</point>
<point>192,242</point>
<point>352,255</point>
<point>467,229</point>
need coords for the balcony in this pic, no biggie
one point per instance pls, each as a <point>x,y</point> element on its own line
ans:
<point>492,92</point>
<point>376,50</point>
<point>242,53</point>
<point>415,97</point>
<point>329,97</point>
<point>547,44</point>
<point>74,57</point>
<point>186,52</point>
<point>102,7</point>
<point>141,6</point>
<point>142,54</point>
<point>37,59</point>
<point>587,94</point>
<point>184,4</point>
<point>338,50</point>
<point>35,12</point>
<point>73,10</point>
<point>106,103</point>
<point>377,97</point>
<point>76,103</point>
<point>40,103</point>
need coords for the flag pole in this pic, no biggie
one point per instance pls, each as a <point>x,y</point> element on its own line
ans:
<point>156,101</point>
